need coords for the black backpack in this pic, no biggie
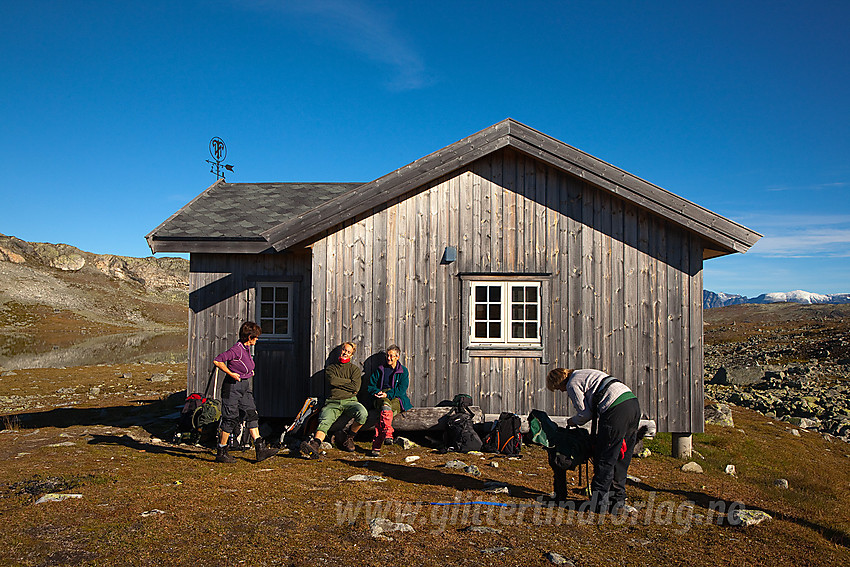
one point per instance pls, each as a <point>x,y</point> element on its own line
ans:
<point>505,437</point>
<point>459,435</point>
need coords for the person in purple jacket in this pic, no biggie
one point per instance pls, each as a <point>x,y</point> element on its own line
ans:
<point>237,399</point>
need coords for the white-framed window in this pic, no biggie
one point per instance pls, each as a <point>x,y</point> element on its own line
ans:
<point>504,313</point>
<point>274,309</point>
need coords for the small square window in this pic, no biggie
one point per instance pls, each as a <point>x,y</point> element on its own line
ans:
<point>505,313</point>
<point>274,309</point>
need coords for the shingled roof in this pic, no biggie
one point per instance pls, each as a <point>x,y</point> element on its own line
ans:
<point>231,217</point>
<point>264,217</point>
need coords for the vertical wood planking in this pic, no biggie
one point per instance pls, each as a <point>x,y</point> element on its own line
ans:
<point>696,344</point>
<point>644,331</point>
<point>509,212</point>
<point>631,299</point>
<point>675,295</point>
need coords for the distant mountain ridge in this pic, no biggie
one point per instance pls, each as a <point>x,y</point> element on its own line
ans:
<point>53,285</point>
<point>712,299</point>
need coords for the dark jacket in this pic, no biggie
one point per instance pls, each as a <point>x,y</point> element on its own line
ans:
<point>344,380</point>
<point>397,388</point>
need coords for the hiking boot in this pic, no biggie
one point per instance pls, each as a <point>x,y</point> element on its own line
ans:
<point>263,451</point>
<point>345,439</point>
<point>312,448</point>
<point>376,453</point>
<point>222,457</point>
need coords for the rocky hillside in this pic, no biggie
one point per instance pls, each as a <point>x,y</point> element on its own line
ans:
<point>790,362</point>
<point>54,295</point>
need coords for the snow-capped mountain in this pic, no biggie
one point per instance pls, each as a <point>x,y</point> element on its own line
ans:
<point>712,299</point>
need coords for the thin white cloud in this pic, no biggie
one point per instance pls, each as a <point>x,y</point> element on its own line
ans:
<point>816,187</point>
<point>801,236</point>
<point>366,30</point>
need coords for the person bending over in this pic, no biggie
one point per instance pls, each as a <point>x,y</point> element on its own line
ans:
<point>598,396</point>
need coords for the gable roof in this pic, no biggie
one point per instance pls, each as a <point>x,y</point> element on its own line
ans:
<point>722,236</point>
<point>230,217</point>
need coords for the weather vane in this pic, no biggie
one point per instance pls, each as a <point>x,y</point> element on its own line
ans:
<point>218,151</point>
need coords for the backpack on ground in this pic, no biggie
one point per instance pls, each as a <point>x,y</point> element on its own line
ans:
<point>572,447</point>
<point>505,437</point>
<point>200,413</point>
<point>460,435</point>
<point>304,424</point>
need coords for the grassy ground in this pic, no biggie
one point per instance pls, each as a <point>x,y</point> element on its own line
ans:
<point>146,502</point>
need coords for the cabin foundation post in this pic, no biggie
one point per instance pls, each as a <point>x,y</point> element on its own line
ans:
<point>682,445</point>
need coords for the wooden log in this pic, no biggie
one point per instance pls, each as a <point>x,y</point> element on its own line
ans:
<point>416,419</point>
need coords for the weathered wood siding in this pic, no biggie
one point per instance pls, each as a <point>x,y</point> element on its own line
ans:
<point>624,294</point>
<point>222,290</point>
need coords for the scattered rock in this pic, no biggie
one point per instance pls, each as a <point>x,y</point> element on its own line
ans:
<point>159,377</point>
<point>781,483</point>
<point>494,464</point>
<point>633,479</point>
<point>378,526</point>
<point>719,414</point>
<point>495,487</point>
<point>490,550</point>
<point>57,498</point>
<point>558,559</point>
<point>94,391</point>
<point>692,467</point>
<point>481,530</point>
<point>730,470</point>
<point>412,458</point>
<point>404,443</point>
<point>63,444</point>
<point>738,375</point>
<point>746,518</point>
<point>68,262</point>
<point>152,512</point>
<point>795,433</point>
<point>805,422</point>
<point>366,478</point>
<point>455,465</point>
<point>473,470</point>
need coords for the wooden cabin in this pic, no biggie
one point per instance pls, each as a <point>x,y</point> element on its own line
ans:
<point>489,262</point>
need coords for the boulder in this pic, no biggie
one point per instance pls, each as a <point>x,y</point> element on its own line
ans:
<point>746,518</point>
<point>738,375</point>
<point>719,414</point>
<point>378,526</point>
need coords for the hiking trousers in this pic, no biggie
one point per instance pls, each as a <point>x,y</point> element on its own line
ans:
<point>611,460</point>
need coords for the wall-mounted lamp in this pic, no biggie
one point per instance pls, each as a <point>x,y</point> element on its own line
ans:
<point>449,255</point>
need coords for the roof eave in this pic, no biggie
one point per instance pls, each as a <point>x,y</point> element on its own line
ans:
<point>209,245</point>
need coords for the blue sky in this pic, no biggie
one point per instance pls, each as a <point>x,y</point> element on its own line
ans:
<point>107,108</point>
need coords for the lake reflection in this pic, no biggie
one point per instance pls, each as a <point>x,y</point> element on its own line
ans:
<point>110,349</point>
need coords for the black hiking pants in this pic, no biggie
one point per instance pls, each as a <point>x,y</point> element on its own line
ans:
<point>610,462</point>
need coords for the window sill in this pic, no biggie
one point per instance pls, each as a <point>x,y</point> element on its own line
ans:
<point>505,351</point>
